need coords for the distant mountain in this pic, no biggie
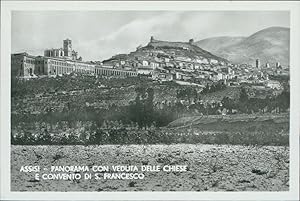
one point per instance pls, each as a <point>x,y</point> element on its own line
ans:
<point>269,45</point>
<point>217,43</point>
<point>156,50</point>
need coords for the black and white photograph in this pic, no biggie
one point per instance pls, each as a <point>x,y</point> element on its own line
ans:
<point>158,100</point>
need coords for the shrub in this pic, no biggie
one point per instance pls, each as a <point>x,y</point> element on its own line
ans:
<point>88,133</point>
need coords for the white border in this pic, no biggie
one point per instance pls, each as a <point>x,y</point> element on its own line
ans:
<point>7,7</point>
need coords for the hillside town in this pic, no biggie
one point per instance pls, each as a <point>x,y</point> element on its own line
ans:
<point>180,62</point>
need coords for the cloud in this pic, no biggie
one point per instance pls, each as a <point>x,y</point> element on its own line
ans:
<point>98,35</point>
<point>131,35</point>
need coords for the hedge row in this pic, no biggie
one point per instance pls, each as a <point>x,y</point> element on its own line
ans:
<point>151,136</point>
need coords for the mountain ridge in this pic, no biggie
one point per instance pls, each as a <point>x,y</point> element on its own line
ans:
<point>222,41</point>
<point>270,45</point>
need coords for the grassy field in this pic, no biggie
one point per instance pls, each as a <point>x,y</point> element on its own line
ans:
<point>239,129</point>
<point>210,167</point>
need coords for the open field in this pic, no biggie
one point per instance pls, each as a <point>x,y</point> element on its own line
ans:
<point>214,120</point>
<point>210,167</point>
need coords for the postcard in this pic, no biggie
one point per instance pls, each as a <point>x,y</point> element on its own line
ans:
<point>150,100</point>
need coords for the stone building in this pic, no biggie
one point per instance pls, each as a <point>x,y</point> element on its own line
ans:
<point>54,53</point>
<point>60,61</point>
<point>22,65</point>
<point>67,45</point>
<point>66,52</point>
<point>27,66</point>
<point>102,71</point>
<point>267,65</point>
<point>277,65</point>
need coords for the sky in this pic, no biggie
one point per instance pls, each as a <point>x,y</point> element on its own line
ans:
<point>98,35</point>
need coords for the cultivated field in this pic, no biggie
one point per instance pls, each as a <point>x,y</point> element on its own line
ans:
<point>210,167</point>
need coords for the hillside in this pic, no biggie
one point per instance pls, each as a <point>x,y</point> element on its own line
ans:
<point>269,45</point>
<point>157,50</point>
<point>239,122</point>
<point>218,43</point>
<point>189,49</point>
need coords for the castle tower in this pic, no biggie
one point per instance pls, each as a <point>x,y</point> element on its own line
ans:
<point>257,63</point>
<point>67,46</point>
<point>191,41</point>
<point>152,39</point>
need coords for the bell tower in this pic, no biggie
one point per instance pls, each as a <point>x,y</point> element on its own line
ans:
<point>67,46</point>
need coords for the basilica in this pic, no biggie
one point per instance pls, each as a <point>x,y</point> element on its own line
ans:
<point>60,61</point>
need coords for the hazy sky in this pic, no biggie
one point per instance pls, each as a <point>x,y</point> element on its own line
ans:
<point>98,35</point>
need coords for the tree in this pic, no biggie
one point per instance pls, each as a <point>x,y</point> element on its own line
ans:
<point>243,101</point>
<point>228,103</point>
<point>243,96</point>
<point>141,110</point>
<point>283,101</point>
